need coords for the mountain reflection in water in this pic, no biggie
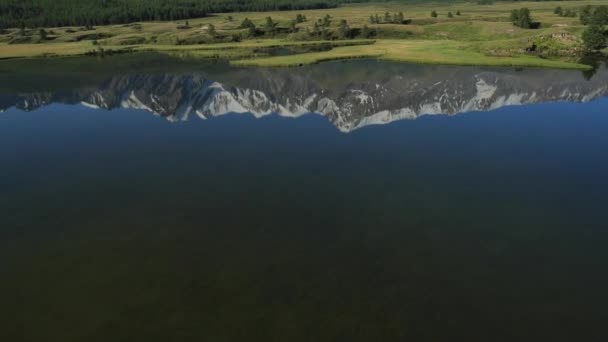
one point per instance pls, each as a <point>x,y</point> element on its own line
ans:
<point>350,94</point>
<point>121,226</point>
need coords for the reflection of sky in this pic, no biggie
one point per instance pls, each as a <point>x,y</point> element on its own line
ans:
<point>556,148</point>
<point>453,225</point>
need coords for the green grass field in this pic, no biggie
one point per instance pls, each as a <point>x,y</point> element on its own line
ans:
<point>481,35</point>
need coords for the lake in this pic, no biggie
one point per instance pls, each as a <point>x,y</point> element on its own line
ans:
<point>152,198</point>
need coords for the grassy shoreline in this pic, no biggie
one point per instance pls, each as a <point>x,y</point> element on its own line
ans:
<point>421,52</point>
<point>481,35</point>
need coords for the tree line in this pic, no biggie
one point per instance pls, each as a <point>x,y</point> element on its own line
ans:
<point>50,13</point>
<point>320,29</point>
<point>387,18</point>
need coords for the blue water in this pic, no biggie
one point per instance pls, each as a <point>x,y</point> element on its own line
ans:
<point>120,225</point>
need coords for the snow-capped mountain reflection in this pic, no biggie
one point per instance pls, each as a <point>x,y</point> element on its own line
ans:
<point>350,101</point>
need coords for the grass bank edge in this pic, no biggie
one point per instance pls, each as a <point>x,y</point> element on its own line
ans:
<point>412,51</point>
<point>242,54</point>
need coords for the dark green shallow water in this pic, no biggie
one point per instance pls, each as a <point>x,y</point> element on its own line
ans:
<point>123,226</point>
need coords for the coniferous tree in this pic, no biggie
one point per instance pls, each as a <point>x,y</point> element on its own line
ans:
<point>292,26</point>
<point>325,34</point>
<point>387,17</point>
<point>252,31</point>
<point>586,15</point>
<point>270,26</point>
<point>594,38</point>
<point>366,32</point>
<point>525,21</point>
<point>400,18</point>
<point>211,30</point>
<point>600,16</point>
<point>326,20</point>
<point>343,30</point>
<point>48,13</point>
<point>246,23</point>
<point>316,30</point>
<point>569,13</point>
<point>558,10</point>
<point>521,18</point>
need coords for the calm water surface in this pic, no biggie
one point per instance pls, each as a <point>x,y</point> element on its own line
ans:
<point>144,198</point>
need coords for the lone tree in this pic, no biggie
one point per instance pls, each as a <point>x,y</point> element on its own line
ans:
<point>586,15</point>
<point>434,14</point>
<point>246,23</point>
<point>600,16</point>
<point>211,30</point>
<point>343,30</point>
<point>521,18</point>
<point>292,26</point>
<point>316,30</point>
<point>558,10</point>
<point>252,31</point>
<point>450,15</point>
<point>594,38</point>
<point>300,18</point>
<point>366,32</point>
<point>400,18</point>
<point>270,26</point>
<point>387,17</point>
<point>42,33</point>
<point>458,13</point>
<point>325,34</point>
